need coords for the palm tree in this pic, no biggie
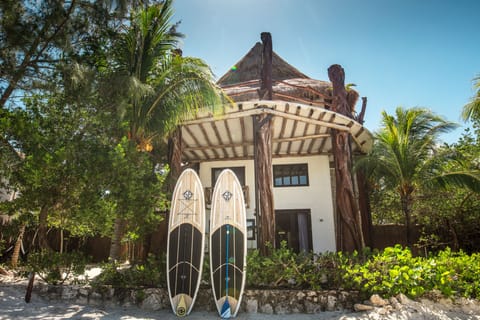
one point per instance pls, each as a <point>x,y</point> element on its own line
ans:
<point>472,109</point>
<point>401,158</point>
<point>162,86</point>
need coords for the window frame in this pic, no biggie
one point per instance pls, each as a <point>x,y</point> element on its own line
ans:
<point>295,174</point>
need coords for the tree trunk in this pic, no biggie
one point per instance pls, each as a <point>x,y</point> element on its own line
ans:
<point>264,181</point>
<point>42,228</point>
<point>175,150</point>
<point>116,243</point>
<point>18,245</point>
<point>349,228</point>
<point>406,200</point>
<point>365,209</point>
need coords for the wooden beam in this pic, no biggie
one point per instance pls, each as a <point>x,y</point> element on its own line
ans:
<point>294,128</point>
<point>230,139</point>
<point>195,140</point>
<point>282,130</point>
<point>205,136</point>
<point>219,138</point>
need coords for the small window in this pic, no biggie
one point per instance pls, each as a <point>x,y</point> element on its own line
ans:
<point>290,175</point>
<point>239,172</point>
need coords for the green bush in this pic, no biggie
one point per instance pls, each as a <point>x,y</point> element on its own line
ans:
<point>55,267</point>
<point>287,269</point>
<point>388,272</point>
<point>151,273</point>
<point>392,271</point>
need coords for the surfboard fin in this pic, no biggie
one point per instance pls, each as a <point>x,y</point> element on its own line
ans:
<point>226,310</point>
<point>181,307</point>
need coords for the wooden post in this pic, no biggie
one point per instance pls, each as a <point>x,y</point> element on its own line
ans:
<point>264,183</point>
<point>175,150</point>
<point>266,82</point>
<point>262,126</point>
<point>349,228</point>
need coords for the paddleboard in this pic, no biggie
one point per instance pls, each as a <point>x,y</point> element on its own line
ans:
<point>186,238</point>
<point>228,244</point>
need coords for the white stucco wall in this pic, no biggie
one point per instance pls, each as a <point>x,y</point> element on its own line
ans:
<point>317,196</point>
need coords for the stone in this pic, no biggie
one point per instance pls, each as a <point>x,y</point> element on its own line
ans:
<point>394,303</point>
<point>95,298</point>
<point>252,306</point>
<point>266,308</point>
<point>312,307</point>
<point>301,295</point>
<point>282,309</point>
<point>152,302</point>
<point>359,307</point>
<point>69,293</point>
<point>83,292</point>
<point>384,310</point>
<point>331,303</point>
<point>311,294</point>
<point>403,299</point>
<point>377,301</point>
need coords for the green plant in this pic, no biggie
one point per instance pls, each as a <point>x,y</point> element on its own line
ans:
<point>389,272</point>
<point>56,267</point>
<point>151,273</point>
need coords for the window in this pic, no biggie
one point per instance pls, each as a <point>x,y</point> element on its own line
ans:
<point>290,175</point>
<point>239,172</point>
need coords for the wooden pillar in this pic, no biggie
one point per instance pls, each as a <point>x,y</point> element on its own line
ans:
<point>264,181</point>
<point>266,81</point>
<point>365,209</point>
<point>262,126</point>
<point>349,228</point>
<point>175,150</point>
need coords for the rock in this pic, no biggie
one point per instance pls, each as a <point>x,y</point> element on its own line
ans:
<point>267,308</point>
<point>362,307</point>
<point>403,299</point>
<point>394,303</point>
<point>311,294</point>
<point>377,301</point>
<point>152,302</point>
<point>281,309</point>
<point>383,311</point>
<point>331,303</point>
<point>311,307</point>
<point>252,306</point>
<point>69,292</point>
<point>301,295</point>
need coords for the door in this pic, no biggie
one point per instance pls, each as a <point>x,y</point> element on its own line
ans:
<point>294,227</point>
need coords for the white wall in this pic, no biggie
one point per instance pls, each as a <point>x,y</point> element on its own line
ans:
<point>317,196</point>
<point>206,178</point>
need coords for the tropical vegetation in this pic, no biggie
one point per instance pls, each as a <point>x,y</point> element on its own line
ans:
<point>89,92</point>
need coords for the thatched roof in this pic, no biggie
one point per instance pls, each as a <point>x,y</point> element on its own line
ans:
<point>242,82</point>
<point>250,66</point>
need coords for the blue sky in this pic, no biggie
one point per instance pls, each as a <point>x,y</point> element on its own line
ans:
<point>410,53</point>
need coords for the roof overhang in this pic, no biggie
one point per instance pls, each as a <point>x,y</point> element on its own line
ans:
<point>298,130</point>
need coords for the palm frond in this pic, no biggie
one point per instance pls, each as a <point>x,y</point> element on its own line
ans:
<point>465,179</point>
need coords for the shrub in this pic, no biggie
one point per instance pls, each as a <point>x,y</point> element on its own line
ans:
<point>151,273</point>
<point>392,271</point>
<point>55,267</point>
